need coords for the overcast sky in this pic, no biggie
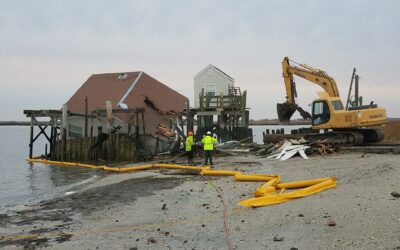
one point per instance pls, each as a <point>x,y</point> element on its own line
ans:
<point>49,48</point>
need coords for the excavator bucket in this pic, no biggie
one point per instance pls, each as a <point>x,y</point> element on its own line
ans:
<point>285,111</point>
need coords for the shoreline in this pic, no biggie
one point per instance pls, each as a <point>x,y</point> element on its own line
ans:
<point>127,211</point>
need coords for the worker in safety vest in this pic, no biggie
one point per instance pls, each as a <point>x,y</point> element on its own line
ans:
<point>208,145</point>
<point>189,143</point>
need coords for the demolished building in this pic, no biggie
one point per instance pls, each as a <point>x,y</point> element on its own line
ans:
<point>110,117</point>
<point>161,106</point>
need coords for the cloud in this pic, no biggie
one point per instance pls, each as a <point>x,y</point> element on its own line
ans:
<point>52,47</point>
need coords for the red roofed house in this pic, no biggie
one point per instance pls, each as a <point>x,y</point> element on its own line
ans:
<point>131,89</point>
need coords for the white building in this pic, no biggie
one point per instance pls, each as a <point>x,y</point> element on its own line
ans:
<point>214,82</point>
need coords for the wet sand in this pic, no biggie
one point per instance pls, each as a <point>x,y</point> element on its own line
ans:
<point>169,209</point>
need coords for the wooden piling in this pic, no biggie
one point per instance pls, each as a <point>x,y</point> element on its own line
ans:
<point>109,125</point>
<point>31,140</point>
<point>53,144</point>
<point>264,137</point>
<point>144,128</point>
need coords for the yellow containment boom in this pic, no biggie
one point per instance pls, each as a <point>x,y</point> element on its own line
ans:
<point>270,199</point>
<point>264,195</point>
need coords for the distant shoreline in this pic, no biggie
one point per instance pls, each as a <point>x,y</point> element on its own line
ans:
<point>251,122</point>
<point>276,122</point>
<point>293,122</point>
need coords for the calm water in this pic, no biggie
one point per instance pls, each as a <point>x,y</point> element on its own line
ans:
<point>24,183</point>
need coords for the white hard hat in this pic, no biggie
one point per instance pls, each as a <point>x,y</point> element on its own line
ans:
<point>208,133</point>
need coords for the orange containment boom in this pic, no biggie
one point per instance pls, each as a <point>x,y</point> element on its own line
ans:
<point>271,192</point>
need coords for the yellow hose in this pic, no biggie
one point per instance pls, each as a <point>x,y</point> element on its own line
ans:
<point>254,177</point>
<point>175,166</point>
<point>270,199</point>
<point>264,195</point>
<point>301,184</point>
<point>267,188</point>
<point>127,169</point>
<point>218,172</point>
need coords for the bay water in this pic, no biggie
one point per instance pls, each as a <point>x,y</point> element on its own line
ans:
<point>23,183</point>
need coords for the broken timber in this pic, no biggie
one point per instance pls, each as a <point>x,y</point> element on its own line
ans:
<point>232,115</point>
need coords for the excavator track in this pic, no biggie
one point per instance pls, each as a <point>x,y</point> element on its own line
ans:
<point>372,135</point>
<point>338,137</point>
<point>351,137</point>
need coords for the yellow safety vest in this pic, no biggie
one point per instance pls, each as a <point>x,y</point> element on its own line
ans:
<point>208,142</point>
<point>189,143</point>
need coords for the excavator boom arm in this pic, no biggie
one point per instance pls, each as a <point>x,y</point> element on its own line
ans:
<point>316,76</point>
<point>319,77</point>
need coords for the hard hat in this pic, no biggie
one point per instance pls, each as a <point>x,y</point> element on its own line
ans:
<point>190,133</point>
<point>208,133</point>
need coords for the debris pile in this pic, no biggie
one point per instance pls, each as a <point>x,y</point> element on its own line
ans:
<point>322,147</point>
<point>286,149</point>
<point>163,129</point>
<point>282,150</point>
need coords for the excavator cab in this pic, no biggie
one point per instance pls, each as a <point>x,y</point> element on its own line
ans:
<point>320,113</point>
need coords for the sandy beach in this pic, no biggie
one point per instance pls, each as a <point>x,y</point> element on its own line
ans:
<point>170,209</point>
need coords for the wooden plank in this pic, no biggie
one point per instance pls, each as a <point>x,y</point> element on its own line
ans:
<point>130,110</point>
<point>109,112</point>
<point>42,113</point>
<point>86,118</point>
<point>20,123</point>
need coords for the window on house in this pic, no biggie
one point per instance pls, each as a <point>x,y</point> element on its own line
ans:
<point>74,131</point>
<point>210,89</point>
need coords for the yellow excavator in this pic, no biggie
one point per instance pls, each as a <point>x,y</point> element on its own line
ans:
<point>355,125</point>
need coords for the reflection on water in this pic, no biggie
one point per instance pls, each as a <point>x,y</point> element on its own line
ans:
<point>22,182</point>
<point>68,176</point>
